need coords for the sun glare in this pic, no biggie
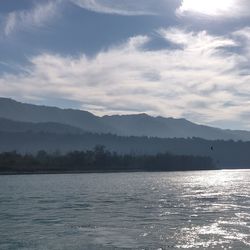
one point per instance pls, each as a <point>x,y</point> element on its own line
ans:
<point>207,7</point>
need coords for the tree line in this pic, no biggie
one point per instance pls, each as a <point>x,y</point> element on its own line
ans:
<point>100,160</point>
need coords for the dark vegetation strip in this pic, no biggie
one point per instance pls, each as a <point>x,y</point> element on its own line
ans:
<point>99,160</point>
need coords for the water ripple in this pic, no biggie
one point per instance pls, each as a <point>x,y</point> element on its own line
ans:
<point>191,210</point>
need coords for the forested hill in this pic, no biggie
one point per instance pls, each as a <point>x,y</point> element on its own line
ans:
<point>225,153</point>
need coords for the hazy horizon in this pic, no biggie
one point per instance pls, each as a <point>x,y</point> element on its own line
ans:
<point>65,107</point>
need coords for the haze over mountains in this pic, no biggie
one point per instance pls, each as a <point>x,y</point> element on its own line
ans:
<point>7,125</point>
<point>19,117</point>
<point>27,128</point>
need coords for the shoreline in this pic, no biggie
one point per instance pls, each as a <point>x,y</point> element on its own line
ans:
<point>111,171</point>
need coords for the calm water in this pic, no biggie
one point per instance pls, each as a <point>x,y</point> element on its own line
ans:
<point>204,210</point>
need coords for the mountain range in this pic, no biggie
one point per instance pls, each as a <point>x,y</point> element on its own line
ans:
<point>21,117</point>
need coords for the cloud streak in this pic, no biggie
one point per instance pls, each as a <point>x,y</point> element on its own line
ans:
<point>110,7</point>
<point>201,80</point>
<point>28,19</point>
<point>128,7</point>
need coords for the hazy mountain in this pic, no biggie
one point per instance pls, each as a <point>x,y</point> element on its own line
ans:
<point>144,125</point>
<point>225,153</point>
<point>124,125</point>
<point>17,111</point>
<point>7,125</point>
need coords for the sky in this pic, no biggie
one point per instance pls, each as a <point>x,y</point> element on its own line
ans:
<point>173,58</point>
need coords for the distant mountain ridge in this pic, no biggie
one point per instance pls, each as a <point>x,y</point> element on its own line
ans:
<point>17,111</point>
<point>122,125</point>
<point>10,126</point>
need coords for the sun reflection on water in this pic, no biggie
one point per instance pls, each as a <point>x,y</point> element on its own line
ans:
<point>215,223</point>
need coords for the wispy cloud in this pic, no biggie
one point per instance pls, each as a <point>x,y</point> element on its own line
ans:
<point>201,80</point>
<point>193,8</point>
<point>28,19</point>
<point>128,7</point>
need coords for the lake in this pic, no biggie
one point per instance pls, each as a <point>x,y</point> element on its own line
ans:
<point>172,210</point>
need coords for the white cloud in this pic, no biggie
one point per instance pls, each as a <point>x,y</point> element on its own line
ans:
<point>201,41</point>
<point>201,80</point>
<point>27,19</point>
<point>244,33</point>
<point>243,36</point>
<point>212,8</point>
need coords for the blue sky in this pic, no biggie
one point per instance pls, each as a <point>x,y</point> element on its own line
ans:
<point>178,58</point>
